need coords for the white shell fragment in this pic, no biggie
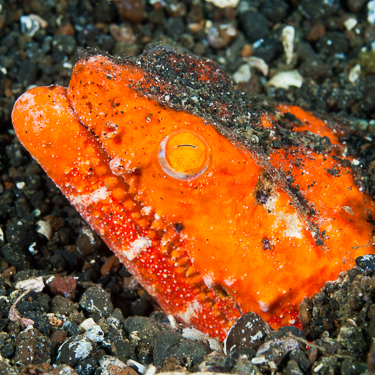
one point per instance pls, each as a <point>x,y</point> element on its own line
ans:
<point>15,316</point>
<point>32,249</point>
<point>196,335</point>
<point>151,370</point>
<point>350,23</point>
<point>45,229</point>
<point>243,74</point>
<point>37,284</point>
<point>224,3</point>
<point>111,364</point>
<point>172,321</point>
<point>139,366</point>
<point>287,39</point>
<point>93,330</point>
<point>354,73</point>
<point>20,185</point>
<point>87,324</point>
<point>257,63</point>
<point>371,12</point>
<point>31,24</point>
<point>286,79</point>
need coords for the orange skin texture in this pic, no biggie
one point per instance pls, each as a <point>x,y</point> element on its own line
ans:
<point>194,235</point>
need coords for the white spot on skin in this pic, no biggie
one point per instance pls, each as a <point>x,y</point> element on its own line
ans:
<point>137,246</point>
<point>229,281</point>
<point>120,166</point>
<point>94,197</point>
<point>348,210</point>
<point>208,279</point>
<point>146,210</point>
<point>192,311</point>
<point>264,306</point>
<point>293,224</point>
<point>291,221</point>
<point>93,59</point>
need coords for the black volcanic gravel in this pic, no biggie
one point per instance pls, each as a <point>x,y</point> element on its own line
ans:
<point>92,317</point>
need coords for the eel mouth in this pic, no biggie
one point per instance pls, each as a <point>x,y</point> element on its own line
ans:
<point>110,196</point>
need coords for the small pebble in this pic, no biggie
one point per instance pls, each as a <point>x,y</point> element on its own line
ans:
<point>250,331</point>
<point>74,350</point>
<point>64,286</point>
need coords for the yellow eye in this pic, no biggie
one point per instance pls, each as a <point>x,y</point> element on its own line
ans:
<point>184,154</point>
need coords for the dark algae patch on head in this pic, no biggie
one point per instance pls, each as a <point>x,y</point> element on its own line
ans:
<point>180,80</point>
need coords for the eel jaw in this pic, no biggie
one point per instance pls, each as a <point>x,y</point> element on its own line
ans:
<point>153,251</point>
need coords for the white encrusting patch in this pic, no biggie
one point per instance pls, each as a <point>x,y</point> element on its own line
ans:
<point>208,279</point>
<point>146,210</point>
<point>293,226</point>
<point>27,98</point>
<point>229,281</point>
<point>137,246</point>
<point>192,311</point>
<point>120,166</point>
<point>264,306</point>
<point>33,117</point>
<point>93,59</point>
<point>291,221</point>
<point>94,197</point>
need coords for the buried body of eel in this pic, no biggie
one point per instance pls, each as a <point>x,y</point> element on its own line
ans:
<point>217,206</point>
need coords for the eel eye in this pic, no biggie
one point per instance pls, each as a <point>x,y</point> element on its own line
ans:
<point>184,154</point>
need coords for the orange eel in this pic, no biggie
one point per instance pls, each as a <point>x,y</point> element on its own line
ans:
<point>218,204</point>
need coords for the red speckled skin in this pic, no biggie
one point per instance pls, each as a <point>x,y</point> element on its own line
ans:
<point>233,239</point>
